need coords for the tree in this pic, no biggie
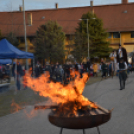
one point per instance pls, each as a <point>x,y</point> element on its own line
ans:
<point>99,46</point>
<point>49,42</point>
<point>12,39</point>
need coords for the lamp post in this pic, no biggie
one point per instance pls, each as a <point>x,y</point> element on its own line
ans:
<point>88,33</point>
<point>25,33</point>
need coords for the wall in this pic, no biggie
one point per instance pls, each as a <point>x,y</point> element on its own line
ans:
<point>114,42</point>
<point>69,42</point>
<point>125,40</point>
<point>30,49</point>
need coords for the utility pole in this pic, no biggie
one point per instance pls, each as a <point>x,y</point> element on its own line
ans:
<point>25,32</point>
<point>88,38</point>
<point>88,34</point>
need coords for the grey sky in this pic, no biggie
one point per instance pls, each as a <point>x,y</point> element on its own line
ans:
<point>9,5</point>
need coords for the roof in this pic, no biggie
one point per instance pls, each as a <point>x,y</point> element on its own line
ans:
<point>113,17</point>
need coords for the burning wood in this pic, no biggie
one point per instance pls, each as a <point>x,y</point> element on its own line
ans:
<point>45,107</point>
<point>68,110</point>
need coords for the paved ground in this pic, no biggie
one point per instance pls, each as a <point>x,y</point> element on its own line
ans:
<point>106,93</point>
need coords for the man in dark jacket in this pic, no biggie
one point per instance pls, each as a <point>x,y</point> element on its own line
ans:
<point>19,71</point>
<point>104,69</point>
<point>122,66</point>
<point>37,71</point>
<point>67,74</point>
<point>76,66</point>
<point>88,64</point>
<point>122,53</point>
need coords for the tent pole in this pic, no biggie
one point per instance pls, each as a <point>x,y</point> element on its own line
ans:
<point>33,67</point>
<point>11,71</point>
<point>25,32</point>
<point>16,71</point>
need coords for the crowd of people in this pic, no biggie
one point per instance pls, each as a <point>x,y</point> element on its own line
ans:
<point>61,73</point>
<point>118,66</point>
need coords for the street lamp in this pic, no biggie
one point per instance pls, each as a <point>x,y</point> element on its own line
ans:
<point>88,33</point>
<point>25,32</point>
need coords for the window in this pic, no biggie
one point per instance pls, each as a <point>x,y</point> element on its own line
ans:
<point>22,40</point>
<point>109,35</point>
<point>116,35</point>
<point>31,38</point>
<point>132,34</point>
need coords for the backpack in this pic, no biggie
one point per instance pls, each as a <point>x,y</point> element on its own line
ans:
<point>58,72</point>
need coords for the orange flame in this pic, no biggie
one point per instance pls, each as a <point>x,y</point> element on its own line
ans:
<point>59,93</point>
<point>15,106</point>
<point>29,113</point>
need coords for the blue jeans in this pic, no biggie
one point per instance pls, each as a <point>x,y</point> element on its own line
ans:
<point>18,82</point>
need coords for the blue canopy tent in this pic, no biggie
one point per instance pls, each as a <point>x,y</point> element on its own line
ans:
<point>5,61</point>
<point>7,50</point>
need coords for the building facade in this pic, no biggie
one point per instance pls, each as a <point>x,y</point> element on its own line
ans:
<point>117,18</point>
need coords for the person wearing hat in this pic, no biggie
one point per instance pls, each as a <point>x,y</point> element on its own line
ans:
<point>122,53</point>
<point>122,67</point>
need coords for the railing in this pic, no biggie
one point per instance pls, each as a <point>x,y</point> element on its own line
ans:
<point>129,40</point>
<point>114,40</point>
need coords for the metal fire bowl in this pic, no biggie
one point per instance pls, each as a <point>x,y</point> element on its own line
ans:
<point>81,122</point>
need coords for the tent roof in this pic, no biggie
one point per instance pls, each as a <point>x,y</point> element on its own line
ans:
<point>7,50</point>
<point>5,61</point>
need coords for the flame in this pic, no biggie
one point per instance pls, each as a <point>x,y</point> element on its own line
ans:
<point>16,107</point>
<point>69,96</point>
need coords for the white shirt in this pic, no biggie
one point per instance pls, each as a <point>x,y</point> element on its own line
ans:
<point>120,54</point>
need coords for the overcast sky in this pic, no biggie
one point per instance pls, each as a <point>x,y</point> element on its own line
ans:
<point>11,5</point>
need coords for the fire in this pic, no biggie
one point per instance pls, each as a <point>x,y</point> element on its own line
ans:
<point>16,107</point>
<point>67,97</point>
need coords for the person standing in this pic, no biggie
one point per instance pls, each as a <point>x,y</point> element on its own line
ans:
<point>61,73</point>
<point>104,69</point>
<point>113,57</point>
<point>95,68</point>
<point>67,73</point>
<point>81,70</point>
<point>122,67</point>
<point>37,71</point>
<point>48,69</point>
<point>19,71</point>
<point>88,65</point>
<point>76,67</point>
<point>122,53</point>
